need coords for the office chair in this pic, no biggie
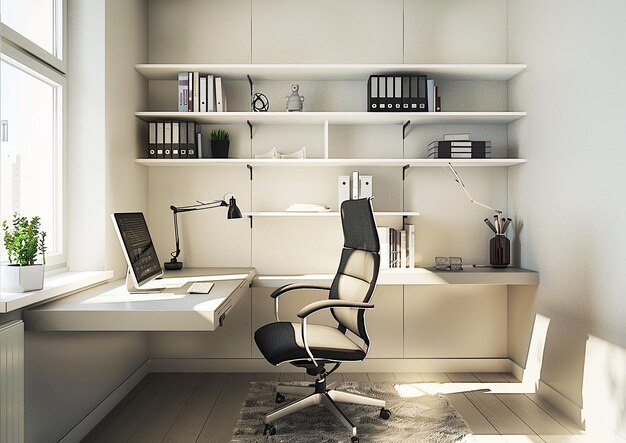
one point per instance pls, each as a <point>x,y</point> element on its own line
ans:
<point>311,346</point>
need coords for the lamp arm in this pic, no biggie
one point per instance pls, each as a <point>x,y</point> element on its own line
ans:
<point>199,206</point>
<point>456,177</point>
<point>176,253</point>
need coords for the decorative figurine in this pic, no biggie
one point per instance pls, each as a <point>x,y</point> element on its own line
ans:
<point>294,101</point>
<point>260,103</point>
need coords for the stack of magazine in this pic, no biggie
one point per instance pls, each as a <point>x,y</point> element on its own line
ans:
<point>459,146</point>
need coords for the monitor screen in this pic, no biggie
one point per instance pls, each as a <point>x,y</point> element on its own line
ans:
<point>137,245</point>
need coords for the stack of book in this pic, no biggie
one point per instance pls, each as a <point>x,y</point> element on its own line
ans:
<point>200,93</point>
<point>397,247</point>
<point>173,139</point>
<point>402,93</point>
<point>459,146</point>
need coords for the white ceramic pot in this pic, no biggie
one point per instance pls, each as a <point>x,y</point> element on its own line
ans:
<point>17,278</point>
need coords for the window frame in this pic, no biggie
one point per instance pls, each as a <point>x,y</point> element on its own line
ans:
<point>24,60</point>
<point>58,60</point>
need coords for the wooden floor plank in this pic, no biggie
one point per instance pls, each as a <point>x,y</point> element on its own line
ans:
<point>522,439</point>
<point>474,418</point>
<point>490,377</point>
<point>119,409</point>
<point>535,417</point>
<point>500,417</point>
<point>191,418</point>
<point>408,377</point>
<point>165,407</point>
<point>355,376</point>
<point>433,377</point>
<point>381,377</point>
<point>462,377</point>
<point>555,414</point>
<point>224,416</point>
<point>510,377</point>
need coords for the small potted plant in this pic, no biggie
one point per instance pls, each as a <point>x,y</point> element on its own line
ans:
<point>220,140</point>
<point>23,240</point>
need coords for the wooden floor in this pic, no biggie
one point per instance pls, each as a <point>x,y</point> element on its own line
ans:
<point>205,407</point>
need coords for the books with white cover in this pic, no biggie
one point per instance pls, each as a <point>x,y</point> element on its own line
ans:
<point>183,91</point>
<point>219,95</point>
<point>403,249</point>
<point>203,96</point>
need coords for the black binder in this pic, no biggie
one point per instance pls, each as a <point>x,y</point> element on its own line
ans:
<point>422,94</point>
<point>176,140</point>
<point>413,94</point>
<point>191,140</point>
<point>152,139</point>
<point>182,139</point>
<point>372,93</point>
<point>397,94</point>
<point>389,103</point>
<point>406,105</point>
<point>167,140</point>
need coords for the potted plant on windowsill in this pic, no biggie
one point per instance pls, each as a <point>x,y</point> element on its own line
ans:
<point>220,140</point>
<point>23,240</point>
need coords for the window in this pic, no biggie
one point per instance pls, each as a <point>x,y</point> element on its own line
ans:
<point>32,124</point>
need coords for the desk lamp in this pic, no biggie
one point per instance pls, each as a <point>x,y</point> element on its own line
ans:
<point>233,212</point>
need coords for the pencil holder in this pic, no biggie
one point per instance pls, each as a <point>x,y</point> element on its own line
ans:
<point>500,251</point>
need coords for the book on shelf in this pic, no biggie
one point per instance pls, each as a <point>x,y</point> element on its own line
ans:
<point>167,140</point>
<point>203,93</point>
<point>410,244</point>
<point>372,97</point>
<point>384,241</point>
<point>403,249</point>
<point>183,92</point>
<point>459,149</point>
<point>160,139</point>
<point>190,91</point>
<point>182,134</point>
<point>197,92</point>
<point>175,140</point>
<point>152,139</point>
<point>191,140</point>
<point>219,95</point>
<point>430,85</point>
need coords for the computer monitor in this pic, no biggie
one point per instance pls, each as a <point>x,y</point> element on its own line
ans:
<point>141,257</point>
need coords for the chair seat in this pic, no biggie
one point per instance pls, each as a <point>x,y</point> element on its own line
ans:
<point>281,342</point>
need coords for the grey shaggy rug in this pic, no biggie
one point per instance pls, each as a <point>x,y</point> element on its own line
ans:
<point>426,419</point>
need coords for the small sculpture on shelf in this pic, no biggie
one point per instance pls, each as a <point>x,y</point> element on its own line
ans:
<point>260,103</point>
<point>295,101</point>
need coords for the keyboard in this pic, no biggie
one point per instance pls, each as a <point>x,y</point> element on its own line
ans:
<point>200,288</point>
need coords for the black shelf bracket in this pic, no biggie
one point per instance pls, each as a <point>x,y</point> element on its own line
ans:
<point>251,90</point>
<point>408,122</point>
<point>250,217</point>
<point>249,126</point>
<point>404,169</point>
<point>250,168</point>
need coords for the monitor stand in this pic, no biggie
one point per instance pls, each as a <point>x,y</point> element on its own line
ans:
<point>132,289</point>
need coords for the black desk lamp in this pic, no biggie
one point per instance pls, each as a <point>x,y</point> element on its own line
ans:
<point>233,212</point>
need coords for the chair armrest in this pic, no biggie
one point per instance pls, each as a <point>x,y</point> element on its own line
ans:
<point>294,286</point>
<point>327,304</point>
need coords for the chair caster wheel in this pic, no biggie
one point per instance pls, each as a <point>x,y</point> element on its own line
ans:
<point>385,414</point>
<point>354,439</point>
<point>269,429</point>
<point>280,398</point>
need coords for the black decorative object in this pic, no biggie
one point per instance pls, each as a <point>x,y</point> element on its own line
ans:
<point>233,212</point>
<point>260,103</point>
<point>500,251</point>
<point>220,141</point>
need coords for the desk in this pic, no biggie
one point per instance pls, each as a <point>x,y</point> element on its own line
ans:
<point>111,308</point>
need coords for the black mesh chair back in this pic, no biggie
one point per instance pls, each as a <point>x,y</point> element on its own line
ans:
<point>360,262</point>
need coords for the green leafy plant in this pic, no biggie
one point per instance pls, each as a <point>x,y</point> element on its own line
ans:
<point>24,239</point>
<point>219,135</point>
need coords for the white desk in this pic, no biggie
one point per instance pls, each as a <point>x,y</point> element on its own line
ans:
<point>111,308</point>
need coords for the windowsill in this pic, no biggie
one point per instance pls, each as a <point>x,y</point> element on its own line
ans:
<point>54,286</point>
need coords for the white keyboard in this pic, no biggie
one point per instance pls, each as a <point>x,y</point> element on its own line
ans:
<point>200,288</point>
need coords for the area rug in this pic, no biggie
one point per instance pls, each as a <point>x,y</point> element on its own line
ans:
<point>425,419</point>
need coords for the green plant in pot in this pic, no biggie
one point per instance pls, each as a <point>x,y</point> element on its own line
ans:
<point>24,241</point>
<point>220,141</point>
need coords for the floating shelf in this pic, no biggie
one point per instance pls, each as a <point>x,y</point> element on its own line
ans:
<point>335,118</point>
<point>292,72</point>
<point>418,276</point>
<point>387,162</point>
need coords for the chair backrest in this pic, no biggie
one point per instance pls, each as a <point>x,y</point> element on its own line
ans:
<point>358,269</point>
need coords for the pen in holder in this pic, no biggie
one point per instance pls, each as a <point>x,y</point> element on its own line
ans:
<point>499,246</point>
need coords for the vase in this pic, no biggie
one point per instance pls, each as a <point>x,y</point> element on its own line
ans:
<point>16,278</point>
<point>219,148</point>
<point>500,252</point>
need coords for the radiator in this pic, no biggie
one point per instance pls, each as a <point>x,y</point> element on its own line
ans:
<point>12,382</point>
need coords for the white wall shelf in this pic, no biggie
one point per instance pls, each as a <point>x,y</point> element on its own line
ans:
<point>322,214</point>
<point>387,162</point>
<point>336,118</point>
<point>418,276</point>
<point>332,71</point>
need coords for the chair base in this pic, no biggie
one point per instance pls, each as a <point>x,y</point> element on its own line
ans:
<point>318,394</point>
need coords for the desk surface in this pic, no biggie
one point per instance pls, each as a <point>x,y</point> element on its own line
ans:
<point>111,308</point>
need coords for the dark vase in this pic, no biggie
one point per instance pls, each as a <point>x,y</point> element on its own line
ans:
<point>500,252</point>
<point>219,148</point>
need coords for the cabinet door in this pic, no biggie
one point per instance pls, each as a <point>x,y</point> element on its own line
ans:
<point>455,321</point>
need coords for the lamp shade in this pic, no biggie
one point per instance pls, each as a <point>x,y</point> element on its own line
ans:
<point>233,210</point>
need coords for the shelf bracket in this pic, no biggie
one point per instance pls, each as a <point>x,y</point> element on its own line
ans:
<point>404,169</point>
<point>408,122</point>
<point>249,126</point>
<point>251,91</point>
<point>250,168</point>
<point>250,217</point>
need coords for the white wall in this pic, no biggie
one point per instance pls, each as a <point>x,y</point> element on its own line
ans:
<point>567,200</point>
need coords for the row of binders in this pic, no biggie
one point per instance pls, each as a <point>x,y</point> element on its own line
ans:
<point>397,247</point>
<point>402,93</point>
<point>174,139</point>
<point>200,93</point>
